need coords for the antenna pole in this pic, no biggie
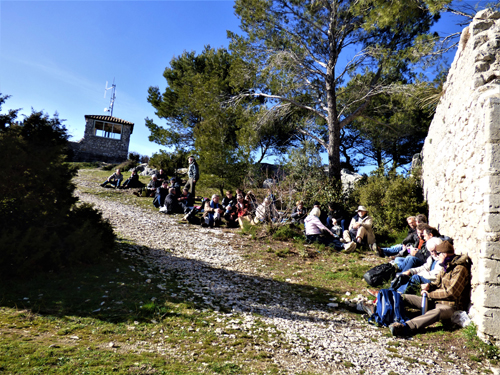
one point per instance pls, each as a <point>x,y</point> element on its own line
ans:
<point>113,97</point>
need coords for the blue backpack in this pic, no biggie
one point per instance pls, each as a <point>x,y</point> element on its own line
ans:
<point>389,308</point>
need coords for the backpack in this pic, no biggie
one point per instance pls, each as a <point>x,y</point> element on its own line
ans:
<point>379,274</point>
<point>389,308</point>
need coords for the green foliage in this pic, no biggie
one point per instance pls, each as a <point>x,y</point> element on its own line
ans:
<point>488,351</point>
<point>287,232</point>
<point>127,165</point>
<point>40,226</point>
<point>169,161</point>
<point>390,198</point>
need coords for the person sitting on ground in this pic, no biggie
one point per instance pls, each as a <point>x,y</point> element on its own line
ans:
<point>212,212</point>
<point>240,192</point>
<point>410,238</point>
<point>317,232</point>
<point>175,185</point>
<point>160,195</point>
<point>132,181</point>
<point>360,229</point>
<point>185,200</point>
<point>252,201</point>
<point>115,179</point>
<point>243,210</point>
<point>152,186</point>
<point>171,205</point>
<point>447,294</point>
<point>335,216</point>
<point>229,206</point>
<point>162,176</point>
<point>299,213</point>
<point>266,212</point>
<point>415,255</point>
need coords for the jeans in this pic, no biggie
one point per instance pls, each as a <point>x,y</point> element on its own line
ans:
<point>329,223</point>
<point>404,264</point>
<point>115,183</point>
<point>393,250</point>
<point>411,286</point>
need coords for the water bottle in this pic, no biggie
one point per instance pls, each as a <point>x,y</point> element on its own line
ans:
<point>424,303</point>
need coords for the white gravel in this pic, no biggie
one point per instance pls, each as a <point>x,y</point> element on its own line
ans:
<point>320,339</point>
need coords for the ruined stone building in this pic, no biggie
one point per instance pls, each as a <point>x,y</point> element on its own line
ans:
<point>461,165</point>
<point>105,139</point>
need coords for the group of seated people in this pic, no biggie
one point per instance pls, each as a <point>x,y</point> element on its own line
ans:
<point>426,262</point>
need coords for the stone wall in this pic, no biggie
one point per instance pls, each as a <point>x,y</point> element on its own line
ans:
<point>461,165</point>
<point>94,148</point>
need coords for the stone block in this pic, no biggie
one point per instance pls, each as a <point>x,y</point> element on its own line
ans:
<point>492,156</point>
<point>487,321</point>
<point>490,250</point>
<point>487,295</point>
<point>491,203</point>
<point>489,272</point>
<point>492,223</point>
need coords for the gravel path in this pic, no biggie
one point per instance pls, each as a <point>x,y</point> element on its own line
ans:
<point>318,338</point>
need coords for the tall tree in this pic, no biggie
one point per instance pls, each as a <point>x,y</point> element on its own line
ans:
<point>306,50</point>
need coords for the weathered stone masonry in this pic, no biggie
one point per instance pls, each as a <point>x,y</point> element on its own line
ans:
<point>461,164</point>
<point>93,147</point>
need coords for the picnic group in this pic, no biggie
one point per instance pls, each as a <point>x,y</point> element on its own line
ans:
<point>426,273</point>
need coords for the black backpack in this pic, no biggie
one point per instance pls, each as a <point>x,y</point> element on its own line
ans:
<point>379,274</point>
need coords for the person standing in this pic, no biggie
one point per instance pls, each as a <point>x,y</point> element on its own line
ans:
<point>193,176</point>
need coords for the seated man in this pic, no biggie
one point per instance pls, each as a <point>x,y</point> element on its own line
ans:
<point>299,213</point>
<point>115,179</point>
<point>171,205</point>
<point>417,255</point>
<point>315,228</point>
<point>174,184</point>
<point>445,294</point>
<point>162,176</point>
<point>185,200</point>
<point>410,238</point>
<point>212,212</point>
<point>132,181</point>
<point>160,195</point>
<point>360,229</point>
<point>427,272</point>
<point>152,186</point>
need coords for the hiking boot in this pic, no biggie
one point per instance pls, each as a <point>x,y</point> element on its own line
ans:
<point>204,224</point>
<point>399,329</point>
<point>349,247</point>
<point>368,308</point>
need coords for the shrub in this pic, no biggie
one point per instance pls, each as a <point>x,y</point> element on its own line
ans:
<point>390,198</point>
<point>40,226</point>
<point>127,165</point>
<point>169,161</point>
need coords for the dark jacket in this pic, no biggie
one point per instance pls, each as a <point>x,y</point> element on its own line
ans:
<point>171,204</point>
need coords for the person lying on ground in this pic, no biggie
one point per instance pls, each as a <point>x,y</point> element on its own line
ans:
<point>317,232</point>
<point>212,212</point>
<point>361,230</point>
<point>299,213</point>
<point>447,294</point>
<point>115,179</point>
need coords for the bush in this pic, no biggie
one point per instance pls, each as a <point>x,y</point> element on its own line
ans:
<point>169,161</point>
<point>127,165</point>
<point>390,198</point>
<point>41,228</point>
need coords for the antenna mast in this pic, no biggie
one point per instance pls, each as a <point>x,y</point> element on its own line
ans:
<point>113,97</point>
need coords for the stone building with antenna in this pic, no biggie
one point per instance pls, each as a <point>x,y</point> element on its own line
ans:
<point>106,138</point>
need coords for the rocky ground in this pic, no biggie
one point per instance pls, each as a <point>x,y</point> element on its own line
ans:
<point>320,339</point>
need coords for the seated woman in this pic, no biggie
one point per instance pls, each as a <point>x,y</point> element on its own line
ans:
<point>243,210</point>
<point>315,229</point>
<point>115,179</point>
<point>299,213</point>
<point>252,201</point>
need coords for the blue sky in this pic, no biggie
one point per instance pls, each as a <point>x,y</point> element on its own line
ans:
<point>58,55</point>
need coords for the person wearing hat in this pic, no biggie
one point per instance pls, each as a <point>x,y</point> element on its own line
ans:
<point>447,294</point>
<point>360,229</point>
<point>193,176</point>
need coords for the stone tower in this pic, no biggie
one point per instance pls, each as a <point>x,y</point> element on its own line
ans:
<point>461,165</point>
<point>105,139</point>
